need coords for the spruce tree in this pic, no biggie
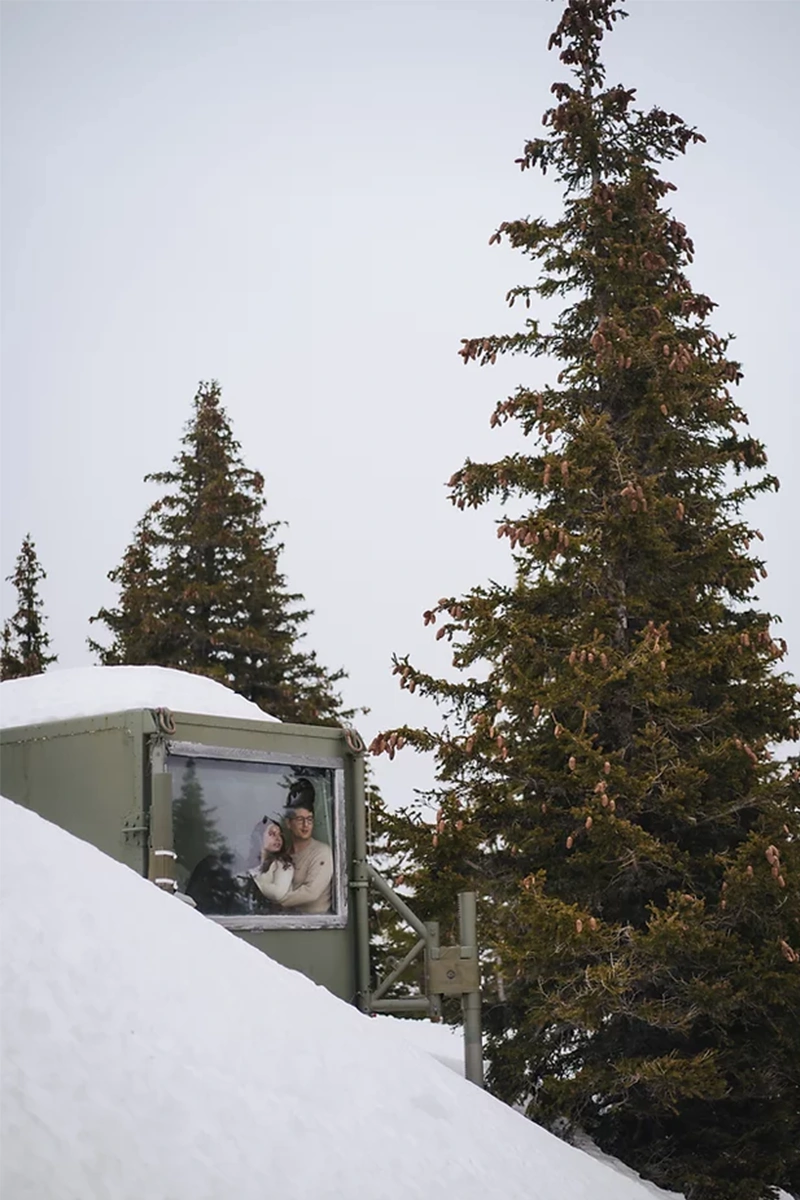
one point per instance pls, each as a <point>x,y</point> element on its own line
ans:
<point>200,586</point>
<point>195,832</point>
<point>25,640</point>
<point>605,774</point>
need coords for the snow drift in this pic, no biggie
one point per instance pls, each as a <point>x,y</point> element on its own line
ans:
<point>149,1053</point>
<point>94,691</point>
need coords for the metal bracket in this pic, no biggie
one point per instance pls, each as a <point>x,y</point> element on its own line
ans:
<point>452,973</point>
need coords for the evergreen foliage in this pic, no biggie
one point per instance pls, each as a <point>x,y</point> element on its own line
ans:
<point>203,860</point>
<point>606,781</point>
<point>200,587</point>
<point>194,828</point>
<point>391,938</point>
<point>25,640</point>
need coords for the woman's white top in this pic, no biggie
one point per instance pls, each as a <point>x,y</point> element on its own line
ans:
<point>275,882</point>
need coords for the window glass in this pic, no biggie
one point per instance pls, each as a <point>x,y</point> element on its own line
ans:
<point>254,838</point>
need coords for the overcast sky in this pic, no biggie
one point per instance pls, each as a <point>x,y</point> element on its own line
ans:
<point>296,199</point>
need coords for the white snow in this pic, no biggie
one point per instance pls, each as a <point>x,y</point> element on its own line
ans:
<point>149,1053</point>
<point>96,691</point>
<point>441,1041</point>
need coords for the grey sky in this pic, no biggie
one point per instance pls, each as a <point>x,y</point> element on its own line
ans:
<point>296,199</point>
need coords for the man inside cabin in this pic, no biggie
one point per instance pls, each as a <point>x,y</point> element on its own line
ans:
<point>311,889</point>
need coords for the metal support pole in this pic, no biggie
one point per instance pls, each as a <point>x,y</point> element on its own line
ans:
<point>434,999</point>
<point>388,893</point>
<point>359,884</point>
<point>402,1004</point>
<point>398,970</point>
<point>161,868</point>
<point>470,1001</point>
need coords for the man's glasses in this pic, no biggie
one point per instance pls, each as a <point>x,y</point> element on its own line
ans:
<point>302,820</point>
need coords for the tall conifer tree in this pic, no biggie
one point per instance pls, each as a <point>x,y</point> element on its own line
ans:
<point>200,586</point>
<point>605,774</point>
<point>25,640</point>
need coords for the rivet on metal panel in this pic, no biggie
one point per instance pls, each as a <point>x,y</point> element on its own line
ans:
<point>132,826</point>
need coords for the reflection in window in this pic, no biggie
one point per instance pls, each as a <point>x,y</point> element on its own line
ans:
<point>253,838</point>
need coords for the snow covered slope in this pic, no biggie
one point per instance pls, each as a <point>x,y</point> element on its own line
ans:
<point>148,1053</point>
<point>93,691</point>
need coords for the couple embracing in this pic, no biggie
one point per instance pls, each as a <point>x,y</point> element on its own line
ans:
<point>295,870</point>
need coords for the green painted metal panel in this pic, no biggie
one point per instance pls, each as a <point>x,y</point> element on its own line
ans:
<point>87,780</point>
<point>330,950</point>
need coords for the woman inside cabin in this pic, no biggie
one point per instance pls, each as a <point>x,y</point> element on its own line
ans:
<point>274,873</point>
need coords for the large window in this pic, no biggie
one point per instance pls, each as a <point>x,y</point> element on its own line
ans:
<point>259,839</point>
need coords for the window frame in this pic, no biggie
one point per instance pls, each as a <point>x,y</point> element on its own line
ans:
<point>340,890</point>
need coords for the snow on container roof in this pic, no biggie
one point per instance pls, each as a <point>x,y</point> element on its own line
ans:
<point>148,1053</point>
<point>64,695</point>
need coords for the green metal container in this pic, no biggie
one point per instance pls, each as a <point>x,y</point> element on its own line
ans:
<point>258,824</point>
